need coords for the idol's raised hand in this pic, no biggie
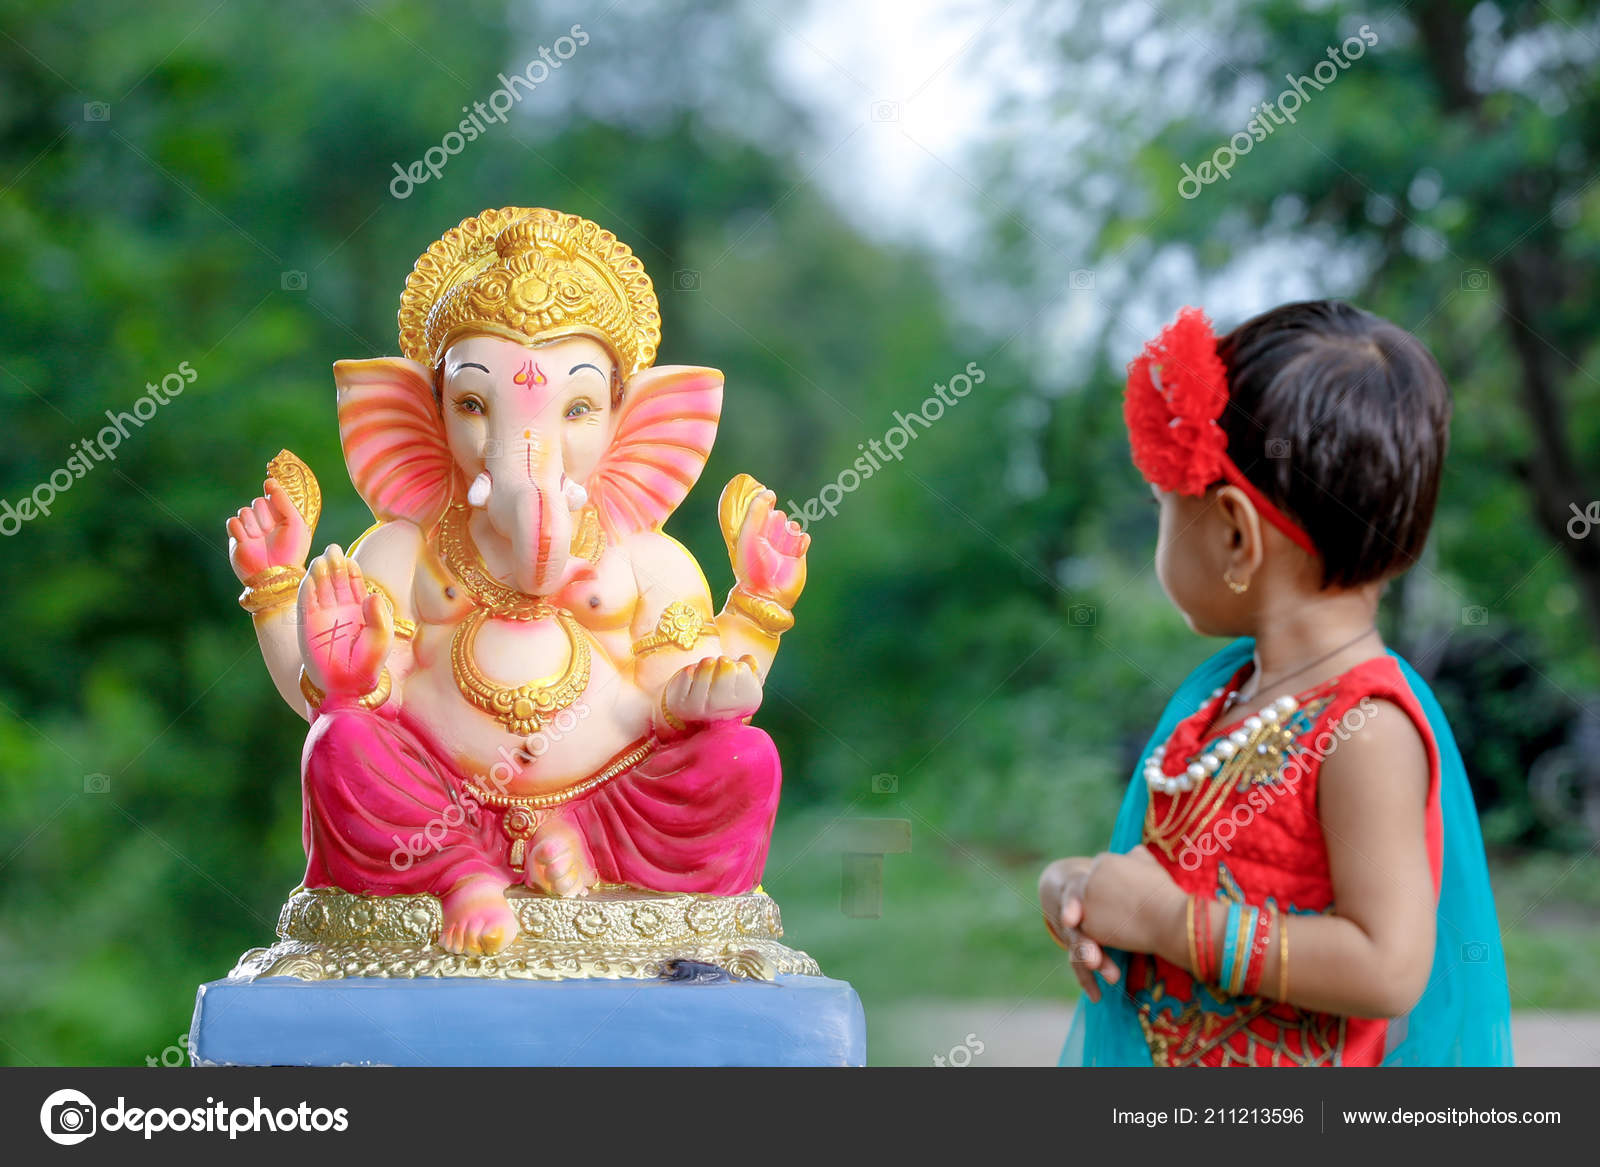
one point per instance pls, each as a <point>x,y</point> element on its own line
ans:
<point>345,632</point>
<point>270,532</point>
<point>768,553</point>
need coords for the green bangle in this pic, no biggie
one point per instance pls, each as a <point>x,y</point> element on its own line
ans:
<point>1230,945</point>
<point>1248,919</point>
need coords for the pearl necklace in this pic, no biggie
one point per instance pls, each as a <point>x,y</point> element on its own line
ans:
<point>1211,761</point>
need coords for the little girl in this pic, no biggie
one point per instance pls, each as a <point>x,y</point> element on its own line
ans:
<point>1297,876</point>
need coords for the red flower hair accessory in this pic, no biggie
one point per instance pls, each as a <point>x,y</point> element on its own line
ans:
<point>1177,389</point>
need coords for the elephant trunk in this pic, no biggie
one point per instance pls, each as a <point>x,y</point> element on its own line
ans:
<point>528,506</point>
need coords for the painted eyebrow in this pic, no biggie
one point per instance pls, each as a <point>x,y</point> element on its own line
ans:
<point>585,365</point>
<point>471,365</point>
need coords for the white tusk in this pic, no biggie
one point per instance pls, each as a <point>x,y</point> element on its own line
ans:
<point>575,494</point>
<point>478,492</point>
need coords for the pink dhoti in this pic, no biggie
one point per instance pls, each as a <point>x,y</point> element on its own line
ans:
<point>386,814</point>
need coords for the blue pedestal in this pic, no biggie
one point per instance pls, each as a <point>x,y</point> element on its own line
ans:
<point>281,1021</point>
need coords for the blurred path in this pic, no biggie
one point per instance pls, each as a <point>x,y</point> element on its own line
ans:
<point>1030,1034</point>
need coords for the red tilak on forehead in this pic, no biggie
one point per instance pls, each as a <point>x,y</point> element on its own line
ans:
<point>530,374</point>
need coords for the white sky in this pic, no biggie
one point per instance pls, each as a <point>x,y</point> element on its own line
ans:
<point>910,90</point>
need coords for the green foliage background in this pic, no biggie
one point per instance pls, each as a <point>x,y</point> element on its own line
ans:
<point>992,640</point>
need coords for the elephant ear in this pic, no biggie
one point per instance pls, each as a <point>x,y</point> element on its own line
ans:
<point>665,428</point>
<point>393,439</point>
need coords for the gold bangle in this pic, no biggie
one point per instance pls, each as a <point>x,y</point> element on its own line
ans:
<point>315,696</point>
<point>1194,955</point>
<point>768,615</point>
<point>271,587</point>
<point>679,626</point>
<point>1283,954</point>
<point>672,719</point>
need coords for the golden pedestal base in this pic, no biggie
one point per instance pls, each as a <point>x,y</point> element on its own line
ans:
<point>613,932</point>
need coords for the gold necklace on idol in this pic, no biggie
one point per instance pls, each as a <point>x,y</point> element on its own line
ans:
<point>522,709</point>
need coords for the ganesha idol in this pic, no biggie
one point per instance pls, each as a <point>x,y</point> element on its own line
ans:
<point>530,752</point>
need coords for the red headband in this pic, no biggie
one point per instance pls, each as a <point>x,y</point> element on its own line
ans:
<point>1177,389</point>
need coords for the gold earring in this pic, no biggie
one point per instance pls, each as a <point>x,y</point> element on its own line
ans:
<point>1234,585</point>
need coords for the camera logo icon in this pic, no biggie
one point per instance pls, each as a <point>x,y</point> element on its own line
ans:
<point>68,1117</point>
<point>1475,280</point>
<point>885,784</point>
<point>1080,280</point>
<point>293,281</point>
<point>1474,952</point>
<point>886,111</point>
<point>686,280</point>
<point>1278,447</point>
<point>1475,615</point>
<point>1082,615</point>
<point>96,111</point>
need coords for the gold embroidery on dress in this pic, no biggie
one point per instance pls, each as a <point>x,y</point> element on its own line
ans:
<point>1259,761</point>
<point>1190,1036</point>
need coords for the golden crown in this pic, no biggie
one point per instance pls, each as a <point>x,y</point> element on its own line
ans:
<point>530,274</point>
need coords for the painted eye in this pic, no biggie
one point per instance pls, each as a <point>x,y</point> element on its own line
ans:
<point>579,408</point>
<point>470,405</point>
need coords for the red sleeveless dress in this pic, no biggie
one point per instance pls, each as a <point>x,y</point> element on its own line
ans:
<point>1250,832</point>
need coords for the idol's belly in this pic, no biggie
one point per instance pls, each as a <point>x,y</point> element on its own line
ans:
<point>515,746</point>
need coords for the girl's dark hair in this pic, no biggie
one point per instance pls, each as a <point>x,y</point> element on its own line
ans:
<point>1342,420</point>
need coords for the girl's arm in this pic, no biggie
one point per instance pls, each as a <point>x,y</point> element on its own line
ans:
<point>1369,959</point>
<point>1372,958</point>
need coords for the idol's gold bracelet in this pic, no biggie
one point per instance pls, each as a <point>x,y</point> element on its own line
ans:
<point>270,588</point>
<point>315,696</point>
<point>671,718</point>
<point>768,615</point>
